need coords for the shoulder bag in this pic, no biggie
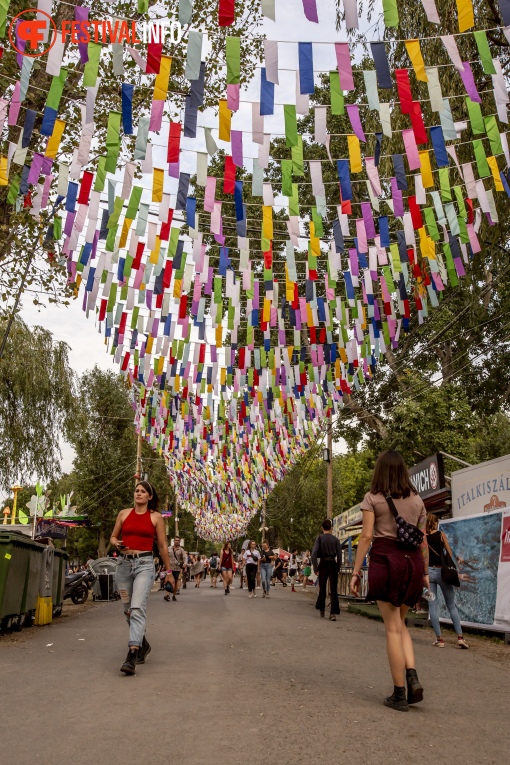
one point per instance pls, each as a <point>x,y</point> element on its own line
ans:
<point>449,573</point>
<point>408,535</point>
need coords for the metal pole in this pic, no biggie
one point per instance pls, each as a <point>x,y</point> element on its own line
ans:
<point>329,478</point>
<point>263,521</point>
<point>138,458</point>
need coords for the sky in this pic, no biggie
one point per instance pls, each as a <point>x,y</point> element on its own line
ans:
<point>69,324</point>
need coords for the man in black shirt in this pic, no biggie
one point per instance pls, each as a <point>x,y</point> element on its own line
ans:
<point>328,550</point>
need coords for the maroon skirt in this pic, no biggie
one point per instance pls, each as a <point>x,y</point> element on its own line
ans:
<point>395,575</point>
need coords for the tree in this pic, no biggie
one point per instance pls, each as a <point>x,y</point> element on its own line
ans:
<point>105,442</point>
<point>28,241</point>
<point>37,387</point>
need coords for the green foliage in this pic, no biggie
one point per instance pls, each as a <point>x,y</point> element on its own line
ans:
<point>36,403</point>
<point>105,442</point>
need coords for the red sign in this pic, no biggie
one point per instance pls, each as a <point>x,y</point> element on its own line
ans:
<point>505,540</point>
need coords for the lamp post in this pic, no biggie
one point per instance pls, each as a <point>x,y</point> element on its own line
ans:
<point>15,490</point>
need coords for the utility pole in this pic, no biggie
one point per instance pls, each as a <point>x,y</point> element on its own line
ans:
<point>138,458</point>
<point>176,514</point>
<point>329,495</point>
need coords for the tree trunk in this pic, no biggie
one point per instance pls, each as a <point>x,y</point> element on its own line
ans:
<point>101,545</point>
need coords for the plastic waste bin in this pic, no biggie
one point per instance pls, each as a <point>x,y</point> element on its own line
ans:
<point>31,589</point>
<point>59,572</point>
<point>16,554</point>
<point>44,607</point>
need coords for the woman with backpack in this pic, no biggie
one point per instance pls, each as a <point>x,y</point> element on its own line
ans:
<point>394,519</point>
<point>213,570</point>
<point>440,552</point>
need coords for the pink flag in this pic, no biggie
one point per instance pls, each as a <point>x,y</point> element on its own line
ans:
<point>343,60</point>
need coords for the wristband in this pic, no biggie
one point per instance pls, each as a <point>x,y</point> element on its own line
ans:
<point>168,572</point>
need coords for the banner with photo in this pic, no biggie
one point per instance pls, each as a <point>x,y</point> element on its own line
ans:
<point>481,548</point>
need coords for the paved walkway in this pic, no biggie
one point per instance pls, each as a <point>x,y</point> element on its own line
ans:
<point>232,680</point>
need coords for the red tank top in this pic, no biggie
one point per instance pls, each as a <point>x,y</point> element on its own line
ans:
<point>226,560</point>
<point>138,531</point>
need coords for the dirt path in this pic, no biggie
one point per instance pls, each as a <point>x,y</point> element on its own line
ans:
<point>243,681</point>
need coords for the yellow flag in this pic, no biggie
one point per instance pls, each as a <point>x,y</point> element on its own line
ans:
<point>289,286</point>
<point>225,120</point>
<point>266,313</point>
<point>219,336</point>
<point>161,82</point>
<point>267,222</point>
<point>414,53</point>
<point>426,170</point>
<point>354,153</point>
<point>148,347</point>
<point>157,184</point>
<point>315,242</point>
<point>466,15</point>
<point>177,288</point>
<point>3,171</point>
<point>125,231</point>
<point>493,164</point>
<point>154,256</point>
<point>54,139</point>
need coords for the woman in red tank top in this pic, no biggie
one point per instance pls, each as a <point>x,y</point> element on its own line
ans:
<point>139,528</point>
<point>227,566</point>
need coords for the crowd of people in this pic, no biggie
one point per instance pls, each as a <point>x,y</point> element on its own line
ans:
<point>253,569</point>
<point>408,558</point>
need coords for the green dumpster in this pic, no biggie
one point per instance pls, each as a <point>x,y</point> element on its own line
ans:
<point>16,554</point>
<point>59,573</point>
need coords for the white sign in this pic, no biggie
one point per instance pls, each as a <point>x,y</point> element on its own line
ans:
<point>481,488</point>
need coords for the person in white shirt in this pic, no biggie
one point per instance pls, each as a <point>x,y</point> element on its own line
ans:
<point>252,561</point>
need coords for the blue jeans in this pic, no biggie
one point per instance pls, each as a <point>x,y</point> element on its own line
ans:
<point>266,569</point>
<point>448,591</point>
<point>134,579</point>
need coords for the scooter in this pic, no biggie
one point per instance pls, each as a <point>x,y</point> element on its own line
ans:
<point>77,586</point>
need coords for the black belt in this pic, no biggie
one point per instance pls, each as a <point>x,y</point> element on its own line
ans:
<point>136,555</point>
<point>329,558</point>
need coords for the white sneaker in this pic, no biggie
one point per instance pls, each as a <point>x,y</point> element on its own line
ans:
<point>258,587</point>
<point>251,595</point>
<point>439,643</point>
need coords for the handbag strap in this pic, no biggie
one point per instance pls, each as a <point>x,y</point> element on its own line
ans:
<point>391,505</point>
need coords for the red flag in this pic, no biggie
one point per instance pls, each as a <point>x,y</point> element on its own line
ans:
<point>226,13</point>
<point>174,142</point>
<point>86,184</point>
<point>229,181</point>
<point>415,213</point>
<point>404,91</point>
<point>154,51</point>
<point>419,131</point>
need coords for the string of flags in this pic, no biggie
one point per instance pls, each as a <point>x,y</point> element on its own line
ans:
<point>241,325</point>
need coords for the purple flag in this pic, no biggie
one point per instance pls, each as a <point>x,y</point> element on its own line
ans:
<point>82,14</point>
<point>310,9</point>
<point>469,82</point>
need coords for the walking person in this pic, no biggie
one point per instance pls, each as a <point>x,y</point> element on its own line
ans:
<point>178,559</point>
<point>439,552</point>
<point>293,569</point>
<point>397,573</point>
<point>326,558</point>
<point>213,569</point>
<point>252,559</point>
<point>227,566</point>
<point>197,569</point>
<point>266,568</point>
<point>307,570</point>
<point>133,536</point>
<point>277,571</point>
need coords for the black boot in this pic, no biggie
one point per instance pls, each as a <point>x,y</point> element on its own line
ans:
<point>398,700</point>
<point>414,687</point>
<point>129,665</point>
<point>143,652</point>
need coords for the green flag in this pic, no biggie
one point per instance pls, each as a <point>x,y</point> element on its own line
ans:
<point>233,56</point>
